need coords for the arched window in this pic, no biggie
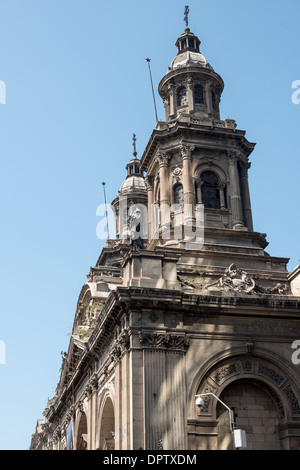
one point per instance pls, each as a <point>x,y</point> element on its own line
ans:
<point>198,95</point>
<point>178,196</point>
<point>210,190</point>
<point>181,97</point>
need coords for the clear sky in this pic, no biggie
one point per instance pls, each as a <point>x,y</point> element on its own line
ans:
<point>77,88</point>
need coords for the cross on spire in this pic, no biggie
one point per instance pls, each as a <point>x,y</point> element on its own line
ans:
<point>186,15</point>
<point>134,145</point>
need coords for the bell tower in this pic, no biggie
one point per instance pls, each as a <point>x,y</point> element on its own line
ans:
<point>190,87</point>
<point>195,161</point>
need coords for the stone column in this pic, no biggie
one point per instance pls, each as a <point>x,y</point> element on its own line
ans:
<point>163,161</point>
<point>149,186</point>
<point>94,390</point>
<point>190,94</point>
<point>187,180</point>
<point>164,390</point>
<point>208,100</point>
<point>222,196</point>
<point>199,191</point>
<point>171,90</point>
<point>244,167</point>
<point>236,200</point>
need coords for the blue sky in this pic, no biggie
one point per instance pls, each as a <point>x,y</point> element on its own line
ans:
<point>77,88</point>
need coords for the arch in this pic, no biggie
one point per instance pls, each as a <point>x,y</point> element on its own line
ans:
<point>106,407</point>
<point>198,94</point>
<point>210,190</point>
<point>82,433</point>
<point>213,166</point>
<point>263,369</point>
<point>256,413</point>
<point>107,425</point>
<point>181,96</point>
<point>178,196</point>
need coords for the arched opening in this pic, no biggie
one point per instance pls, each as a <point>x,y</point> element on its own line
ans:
<point>198,95</point>
<point>107,426</point>
<point>178,196</point>
<point>81,442</point>
<point>210,190</point>
<point>181,97</point>
<point>257,414</point>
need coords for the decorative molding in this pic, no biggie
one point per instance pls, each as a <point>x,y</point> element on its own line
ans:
<point>294,404</point>
<point>120,346</point>
<point>232,155</point>
<point>177,174</point>
<point>149,180</point>
<point>186,150</point>
<point>162,158</point>
<point>169,342</point>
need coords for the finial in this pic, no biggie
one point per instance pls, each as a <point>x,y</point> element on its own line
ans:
<point>134,145</point>
<point>186,15</point>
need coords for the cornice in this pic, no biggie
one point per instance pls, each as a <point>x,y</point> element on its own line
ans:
<point>191,132</point>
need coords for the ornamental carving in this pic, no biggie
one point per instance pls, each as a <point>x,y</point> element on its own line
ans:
<point>232,155</point>
<point>164,341</point>
<point>186,150</point>
<point>224,372</point>
<point>239,281</point>
<point>293,401</point>
<point>121,345</point>
<point>177,173</point>
<point>162,158</point>
<point>271,374</point>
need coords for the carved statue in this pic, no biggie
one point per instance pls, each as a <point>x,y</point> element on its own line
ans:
<point>136,242</point>
<point>239,281</point>
<point>234,279</point>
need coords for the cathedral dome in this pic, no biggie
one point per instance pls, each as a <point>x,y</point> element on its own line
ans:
<point>188,52</point>
<point>188,57</point>
<point>133,183</point>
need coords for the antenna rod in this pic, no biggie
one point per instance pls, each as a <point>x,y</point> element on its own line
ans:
<point>103,184</point>
<point>148,60</point>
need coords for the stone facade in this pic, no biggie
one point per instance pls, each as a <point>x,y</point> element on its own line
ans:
<point>183,313</point>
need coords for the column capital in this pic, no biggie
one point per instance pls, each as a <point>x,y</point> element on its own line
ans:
<point>244,167</point>
<point>232,155</point>
<point>149,182</point>
<point>186,150</point>
<point>162,159</point>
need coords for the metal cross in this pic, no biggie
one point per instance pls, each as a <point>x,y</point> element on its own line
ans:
<point>186,15</point>
<point>134,145</point>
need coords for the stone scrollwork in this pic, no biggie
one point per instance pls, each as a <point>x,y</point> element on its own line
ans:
<point>121,345</point>
<point>186,150</point>
<point>162,158</point>
<point>170,342</point>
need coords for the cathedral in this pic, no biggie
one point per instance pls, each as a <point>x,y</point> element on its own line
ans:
<point>183,333</point>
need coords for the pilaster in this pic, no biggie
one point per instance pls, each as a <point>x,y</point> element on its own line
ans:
<point>236,200</point>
